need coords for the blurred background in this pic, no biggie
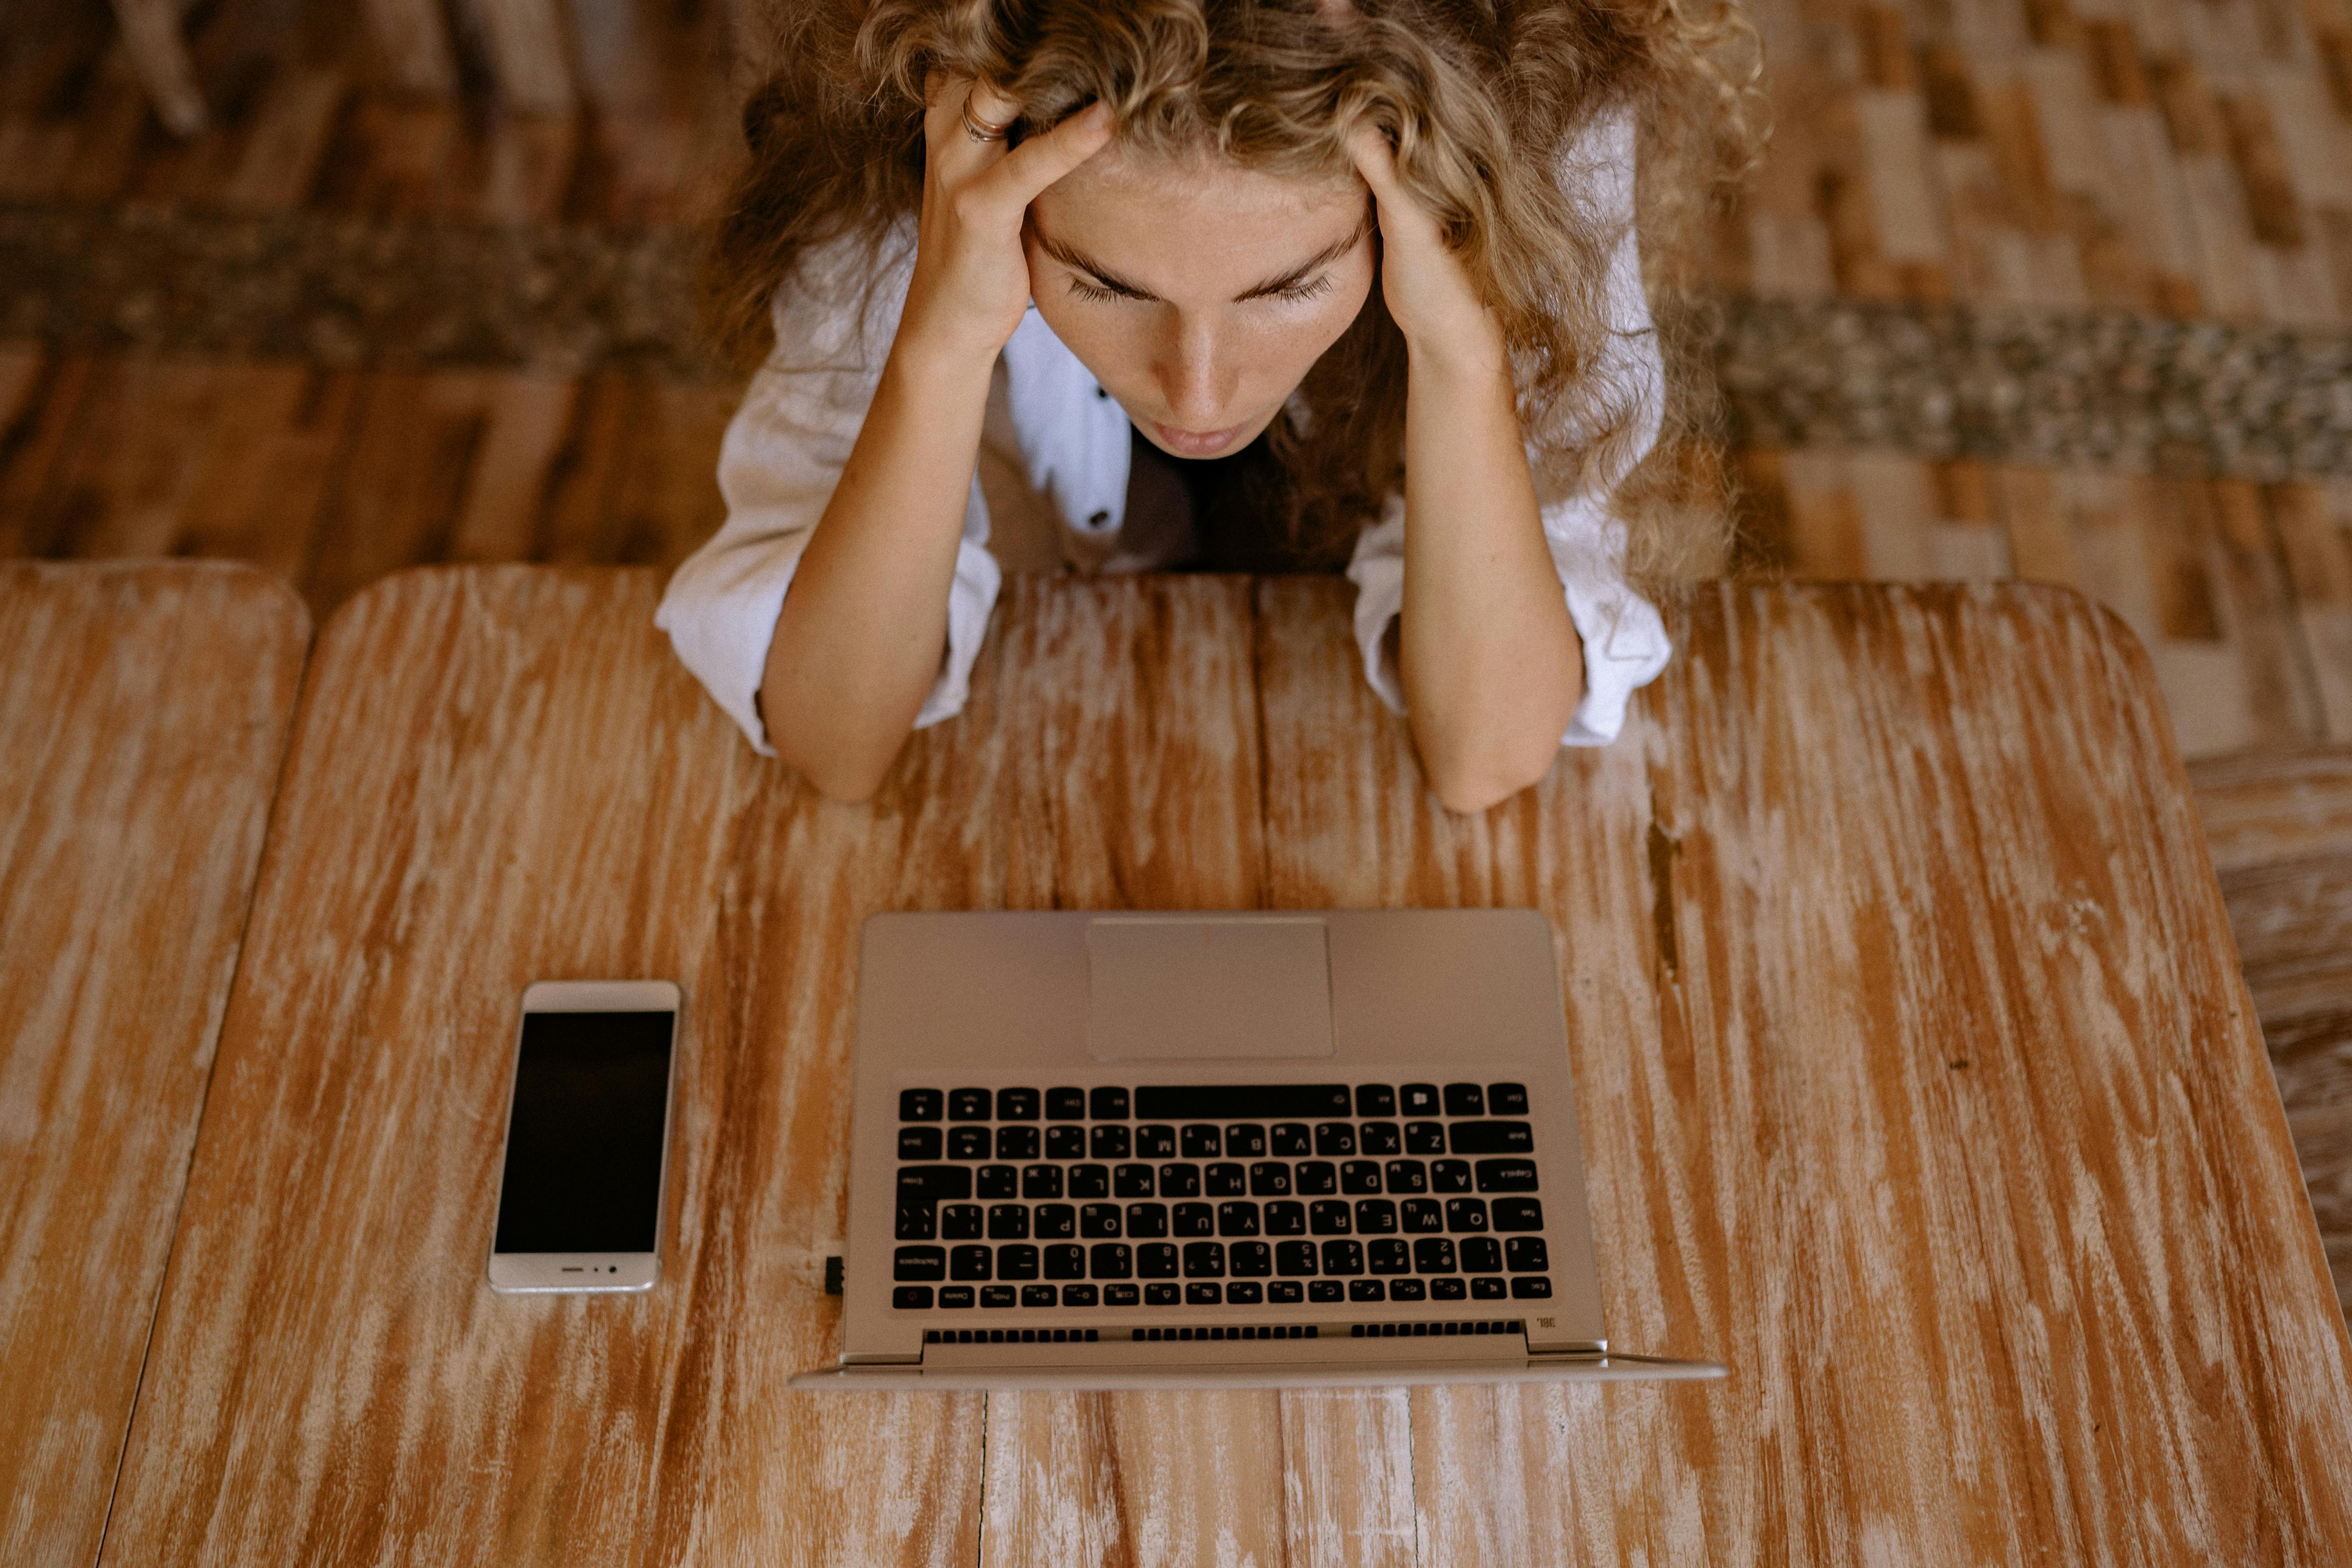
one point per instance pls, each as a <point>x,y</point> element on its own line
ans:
<point>2024,288</point>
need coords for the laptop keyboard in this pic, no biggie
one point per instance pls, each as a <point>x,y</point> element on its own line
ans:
<point>1216,1195</point>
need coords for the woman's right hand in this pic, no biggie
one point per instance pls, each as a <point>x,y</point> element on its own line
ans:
<point>970,284</point>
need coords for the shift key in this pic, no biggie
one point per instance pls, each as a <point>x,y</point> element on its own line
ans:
<point>1490,1137</point>
<point>935,1184</point>
<point>1507,1175</point>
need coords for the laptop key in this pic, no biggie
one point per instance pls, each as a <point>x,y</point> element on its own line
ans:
<point>1245,1140</point>
<point>918,1142</point>
<point>1450,1288</point>
<point>1333,1139</point>
<point>1066,1142</point>
<point>1449,1176</point>
<point>1360,1177</point>
<point>1146,1219</point>
<point>969,1263</point>
<point>1420,1100</point>
<point>1039,1295</point>
<point>1195,1219</point>
<point>1343,1258</point>
<point>1005,1295</point>
<point>1490,1289</point>
<point>1249,1259</point>
<point>1155,1142</point>
<point>1507,1099</point>
<point>968,1143</point>
<point>962,1222</point>
<point>1111,1260</point>
<point>1240,1102</point>
<point>1407,1176</point>
<point>1464,1100</point>
<point>1531,1288</point>
<point>1328,1218</point>
<point>1121,1296</point>
<point>1425,1138</point>
<point>1237,1219</point>
<point>1296,1259</point>
<point>1203,1293</point>
<point>1423,1215</point>
<point>1064,1263</point>
<point>1155,1261</point>
<point>1407,1290</point>
<point>955,1295</point>
<point>1527,1255</point>
<point>1313,1176</point>
<point>1507,1175</point>
<point>1387,1256</point>
<point>1492,1138</point>
<point>1291,1139</point>
<point>1204,1260</point>
<point>1108,1104</point>
<point>1099,1220</point>
<point>918,1263</point>
<point>1170,1294</point>
<point>1286,1219</point>
<point>1055,1221</point>
<point>911,1298</point>
<point>1481,1254</point>
<point>1244,1293</point>
<point>1379,1138</point>
<point>1066,1105</point>
<point>1078,1295</point>
<point>1090,1181</point>
<point>1326,1290</point>
<point>1180,1181</point>
<point>1016,1143</point>
<point>1226,1180</point>
<point>1200,1142</point>
<point>1433,1255</point>
<point>1008,1222</point>
<point>917,1222</point>
<point>919,1104</point>
<point>1132,1182</point>
<point>1518,1214</point>
<point>969,1104</point>
<point>1376,1216</point>
<point>1269,1179</point>
<point>1113,1143</point>
<point>1017,1261</point>
<point>1016,1105</point>
<point>1285,1293</point>
<point>934,1183</point>
<point>1465,1214</point>
<point>1041,1182</point>
<point>1368,1290</point>
<point>1375,1099</point>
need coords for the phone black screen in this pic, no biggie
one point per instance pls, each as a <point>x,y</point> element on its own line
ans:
<point>584,1144</point>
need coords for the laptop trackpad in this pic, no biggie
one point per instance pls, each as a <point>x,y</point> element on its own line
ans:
<point>1164,989</point>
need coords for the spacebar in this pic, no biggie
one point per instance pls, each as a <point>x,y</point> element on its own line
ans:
<point>1202,1101</point>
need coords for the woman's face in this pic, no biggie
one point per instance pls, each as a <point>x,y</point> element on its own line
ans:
<point>1197,292</point>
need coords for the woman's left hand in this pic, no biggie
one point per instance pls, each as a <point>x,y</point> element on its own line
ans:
<point>1428,291</point>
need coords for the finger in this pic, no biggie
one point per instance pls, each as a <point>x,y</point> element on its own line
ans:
<point>991,108</point>
<point>1037,163</point>
<point>954,151</point>
<point>1401,214</point>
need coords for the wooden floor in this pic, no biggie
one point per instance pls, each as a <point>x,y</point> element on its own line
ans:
<point>2181,157</point>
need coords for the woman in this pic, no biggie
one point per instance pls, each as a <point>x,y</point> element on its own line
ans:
<point>1387,248</point>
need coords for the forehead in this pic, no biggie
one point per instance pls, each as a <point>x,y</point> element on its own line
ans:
<point>1195,222</point>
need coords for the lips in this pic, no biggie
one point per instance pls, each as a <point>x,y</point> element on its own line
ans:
<point>1196,443</point>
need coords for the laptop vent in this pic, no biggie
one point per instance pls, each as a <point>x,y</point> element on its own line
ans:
<point>1417,1330</point>
<point>1225,1331</point>
<point>1009,1336</point>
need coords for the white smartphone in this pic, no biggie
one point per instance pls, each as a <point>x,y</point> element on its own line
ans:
<point>581,1186</point>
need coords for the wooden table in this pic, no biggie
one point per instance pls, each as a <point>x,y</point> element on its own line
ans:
<point>1918,1083</point>
<point>143,711</point>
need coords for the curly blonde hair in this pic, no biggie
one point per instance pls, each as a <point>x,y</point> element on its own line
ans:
<point>1480,98</point>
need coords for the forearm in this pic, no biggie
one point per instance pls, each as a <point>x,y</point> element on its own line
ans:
<point>864,627</point>
<point>1490,661</point>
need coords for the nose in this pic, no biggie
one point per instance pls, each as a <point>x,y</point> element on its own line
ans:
<point>1198,375</point>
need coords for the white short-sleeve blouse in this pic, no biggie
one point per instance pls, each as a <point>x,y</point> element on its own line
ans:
<point>785,448</point>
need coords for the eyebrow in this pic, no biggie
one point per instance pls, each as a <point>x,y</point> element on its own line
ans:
<point>1078,262</point>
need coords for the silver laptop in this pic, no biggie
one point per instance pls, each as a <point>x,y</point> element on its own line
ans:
<point>1117,1150</point>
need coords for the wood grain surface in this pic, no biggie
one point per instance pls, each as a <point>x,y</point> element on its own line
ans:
<point>144,711</point>
<point>1916,1083</point>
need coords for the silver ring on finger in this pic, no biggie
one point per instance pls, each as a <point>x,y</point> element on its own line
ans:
<point>980,133</point>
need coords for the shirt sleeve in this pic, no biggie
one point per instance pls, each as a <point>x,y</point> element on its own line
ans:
<point>778,466</point>
<point>1625,638</point>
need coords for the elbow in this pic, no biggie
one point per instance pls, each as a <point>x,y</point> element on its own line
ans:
<point>1469,786</point>
<point>847,774</point>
